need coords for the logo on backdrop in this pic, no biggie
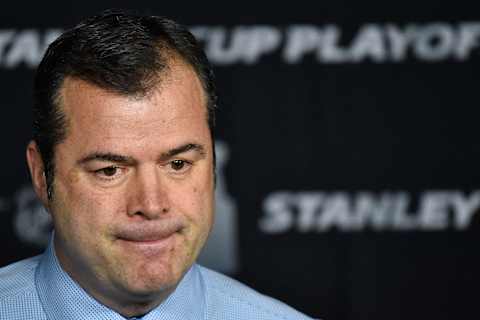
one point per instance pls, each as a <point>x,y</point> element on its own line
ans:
<point>326,44</point>
<point>221,249</point>
<point>330,44</point>
<point>307,212</point>
<point>32,223</point>
<point>25,47</point>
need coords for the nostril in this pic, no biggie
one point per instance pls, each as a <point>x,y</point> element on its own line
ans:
<point>136,213</point>
<point>165,210</point>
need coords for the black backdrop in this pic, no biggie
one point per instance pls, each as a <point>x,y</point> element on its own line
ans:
<point>348,181</point>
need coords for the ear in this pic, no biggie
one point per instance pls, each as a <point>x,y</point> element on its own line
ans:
<point>37,172</point>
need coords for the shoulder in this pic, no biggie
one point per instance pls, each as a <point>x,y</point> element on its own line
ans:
<point>230,299</point>
<point>18,277</point>
<point>18,296</point>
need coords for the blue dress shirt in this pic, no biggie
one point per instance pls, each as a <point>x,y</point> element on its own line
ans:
<point>38,289</point>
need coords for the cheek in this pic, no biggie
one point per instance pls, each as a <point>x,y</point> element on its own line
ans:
<point>103,210</point>
<point>196,202</point>
<point>86,211</point>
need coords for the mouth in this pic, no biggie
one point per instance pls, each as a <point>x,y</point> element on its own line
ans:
<point>149,238</point>
<point>149,245</point>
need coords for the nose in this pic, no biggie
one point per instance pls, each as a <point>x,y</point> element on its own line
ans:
<point>147,194</point>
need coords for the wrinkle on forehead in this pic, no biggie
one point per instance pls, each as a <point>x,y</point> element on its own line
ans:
<point>175,74</point>
<point>120,110</point>
<point>100,119</point>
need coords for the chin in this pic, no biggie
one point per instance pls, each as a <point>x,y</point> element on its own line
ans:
<point>152,280</point>
<point>153,275</point>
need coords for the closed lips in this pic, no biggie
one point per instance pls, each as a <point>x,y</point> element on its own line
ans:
<point>149,233</point>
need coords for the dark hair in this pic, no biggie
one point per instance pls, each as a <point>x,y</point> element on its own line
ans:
<point>116,51</point>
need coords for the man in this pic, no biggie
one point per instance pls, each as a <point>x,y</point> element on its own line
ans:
<point>123,159</point>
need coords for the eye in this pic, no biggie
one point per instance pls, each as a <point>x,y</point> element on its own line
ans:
<point>108,172</point>
<point>177,165</point>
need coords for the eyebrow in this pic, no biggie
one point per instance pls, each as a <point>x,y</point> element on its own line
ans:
<point>112,157</point>
<point>108,156</point>
<point>183,148</point>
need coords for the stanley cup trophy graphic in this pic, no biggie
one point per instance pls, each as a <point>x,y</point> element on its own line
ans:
<point>221,250</point>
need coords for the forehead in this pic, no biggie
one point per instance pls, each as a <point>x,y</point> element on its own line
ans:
<point>177,85</point>
<point>175,104</point>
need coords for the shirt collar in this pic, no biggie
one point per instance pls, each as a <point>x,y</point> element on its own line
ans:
<point>63,299</point>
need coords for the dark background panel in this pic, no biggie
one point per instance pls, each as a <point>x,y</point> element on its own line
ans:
<point>311,127</point>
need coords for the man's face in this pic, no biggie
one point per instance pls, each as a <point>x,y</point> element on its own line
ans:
<point>133,188</point>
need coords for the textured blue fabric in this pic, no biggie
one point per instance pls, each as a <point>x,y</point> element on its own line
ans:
<point>39,289</point>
